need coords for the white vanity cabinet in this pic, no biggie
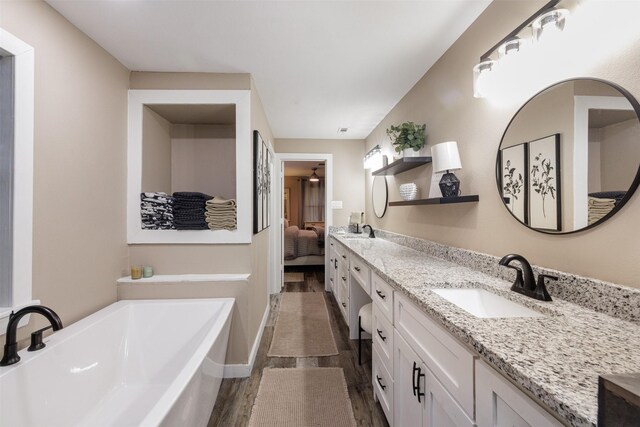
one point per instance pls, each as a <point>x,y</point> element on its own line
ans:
<point>342,279</point>
<point>383,338</point>
<point>433,373</point>
<point>333,265</point>
<point>500,403</point>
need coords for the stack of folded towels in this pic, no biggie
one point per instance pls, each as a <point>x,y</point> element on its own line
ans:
<point>600,204</point>
<point>599,208</point>
<point>221,214</point>
<point>189,210</point>
<point>156,210</point>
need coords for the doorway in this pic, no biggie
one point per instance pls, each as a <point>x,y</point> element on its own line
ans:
<point>304,211</point>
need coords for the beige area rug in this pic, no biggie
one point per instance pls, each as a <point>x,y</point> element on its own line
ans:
<point>302,397</point>
<point>302,328</point>
<point>293,277</point>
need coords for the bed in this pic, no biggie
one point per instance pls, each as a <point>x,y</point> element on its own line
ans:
<point>303,247</point>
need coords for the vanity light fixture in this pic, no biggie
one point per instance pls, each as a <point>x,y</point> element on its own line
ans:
<point>314,176</point>
<point>540,25</point>
<point>374,159</point>
<point>445,159</point>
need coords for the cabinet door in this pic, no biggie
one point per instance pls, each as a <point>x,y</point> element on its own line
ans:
<point>332,268</point>
<point>442,410</point>
<point>499,403</point>
<point>408,385</point>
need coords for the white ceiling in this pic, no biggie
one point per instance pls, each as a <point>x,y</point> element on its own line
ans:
<point>318,65</point>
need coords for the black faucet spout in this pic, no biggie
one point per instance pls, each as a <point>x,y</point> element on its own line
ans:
<point>10,355</point>
<point>525,274</point>
<point>372,235</point>
<point>525,282</point>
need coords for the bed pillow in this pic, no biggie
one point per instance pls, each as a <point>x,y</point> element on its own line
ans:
<point>286,223</point>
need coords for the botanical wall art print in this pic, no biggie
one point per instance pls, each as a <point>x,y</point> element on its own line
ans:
<point>261,183</point>
<point>544,183</point>
<point>513,180</point>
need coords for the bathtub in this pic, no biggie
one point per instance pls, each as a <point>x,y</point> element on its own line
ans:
<point>134,363</point>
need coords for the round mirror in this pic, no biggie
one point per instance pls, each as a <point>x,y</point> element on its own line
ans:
<point>569,159</point>
<point>379,195</point>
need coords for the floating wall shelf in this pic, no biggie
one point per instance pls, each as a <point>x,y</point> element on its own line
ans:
<point>402,165</point>
<point>437,201</point>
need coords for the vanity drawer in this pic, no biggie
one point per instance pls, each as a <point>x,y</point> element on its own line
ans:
<point>342,253</point>
<point>450,361</point>
<point>361,272</point>
<point>383,338</point>
<point>382,296</point>
<point>381,378</point>
<point>343,299</point>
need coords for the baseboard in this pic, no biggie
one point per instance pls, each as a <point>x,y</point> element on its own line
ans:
<point>243,370</point>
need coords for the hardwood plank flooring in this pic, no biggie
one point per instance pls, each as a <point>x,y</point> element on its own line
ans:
<point>236,396</point>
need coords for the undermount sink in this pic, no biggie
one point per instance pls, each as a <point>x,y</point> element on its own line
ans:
<point>482,303</point>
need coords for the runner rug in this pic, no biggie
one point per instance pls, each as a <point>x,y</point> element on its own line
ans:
<point>302,397</point>
<point>302,328</point>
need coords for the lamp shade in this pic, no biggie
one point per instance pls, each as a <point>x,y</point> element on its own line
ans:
<point>446,157</point>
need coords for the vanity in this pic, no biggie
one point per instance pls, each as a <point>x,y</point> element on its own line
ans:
<point>436,364</point>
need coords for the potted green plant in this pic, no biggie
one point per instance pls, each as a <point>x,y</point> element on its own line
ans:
<point>407,138</point>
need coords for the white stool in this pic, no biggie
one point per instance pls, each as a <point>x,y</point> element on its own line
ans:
<point>365,323</point>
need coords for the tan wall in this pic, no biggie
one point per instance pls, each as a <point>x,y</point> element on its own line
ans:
<point>79,238</point>
<point>156,152</point>
<point>348,179</point>
<point>443,99</point>
<point>620,152</point>
<point>250,258</point>
<point>202,162</point>
<point>186,81</point>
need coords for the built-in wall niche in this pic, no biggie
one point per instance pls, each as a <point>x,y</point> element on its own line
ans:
<point>189,141</point>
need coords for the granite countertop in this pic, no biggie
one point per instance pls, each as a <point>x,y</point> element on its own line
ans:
<point>557,358</point>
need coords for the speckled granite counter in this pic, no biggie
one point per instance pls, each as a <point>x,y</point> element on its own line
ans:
<point>556,358</point>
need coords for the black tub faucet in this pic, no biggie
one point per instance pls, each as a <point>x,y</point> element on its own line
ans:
<point>525,282</point>
<point>11,346</point>
<point>372,235</point>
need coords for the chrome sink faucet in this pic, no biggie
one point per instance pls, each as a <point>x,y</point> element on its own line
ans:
<point>372,235</point>
<point>11,346</point>
<point>525,282</point>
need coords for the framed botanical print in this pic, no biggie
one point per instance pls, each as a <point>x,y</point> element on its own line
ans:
<point>513,180</point>
<point>545,202</point>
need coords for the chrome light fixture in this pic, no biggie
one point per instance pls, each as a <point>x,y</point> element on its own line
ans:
<point>314,176</point>
<point>374,159</point>
<point>549,23</point>
<point>546,21</point>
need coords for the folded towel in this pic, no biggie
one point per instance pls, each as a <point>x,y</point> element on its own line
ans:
<point>191,195</point>
<point>217,201</point>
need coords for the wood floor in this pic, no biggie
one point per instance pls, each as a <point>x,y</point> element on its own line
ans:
<point>236,396</point>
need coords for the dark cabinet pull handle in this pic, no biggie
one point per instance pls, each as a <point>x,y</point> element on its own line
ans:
<point>381,294</point>
<point>357,268</point>
<point>344,278</point>
<point>335,263</point>
<point>419,394</point>
<point>344,256</point>
<point>380,335</point>
<point>413,378</point>
<point>344,304</point>
<point>380,383</point>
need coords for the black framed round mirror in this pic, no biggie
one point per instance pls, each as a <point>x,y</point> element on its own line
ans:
<point>379,195</point>
<point>570,157</point>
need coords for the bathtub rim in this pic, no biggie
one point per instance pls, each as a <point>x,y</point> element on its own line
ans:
<point>164,404</point>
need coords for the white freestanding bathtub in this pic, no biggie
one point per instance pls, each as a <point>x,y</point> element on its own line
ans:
<point>134,363</point>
